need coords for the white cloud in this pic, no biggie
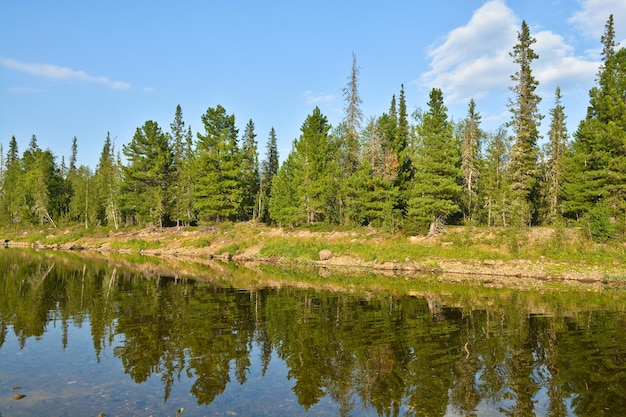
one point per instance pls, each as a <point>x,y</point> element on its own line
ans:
<point>312,98</point>
<point>558,64</point>
<point>474,60</point>
<point>594,14</point>
<point>61,73</point>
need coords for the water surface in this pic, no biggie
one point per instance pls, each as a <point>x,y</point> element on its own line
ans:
<point>83,336</point>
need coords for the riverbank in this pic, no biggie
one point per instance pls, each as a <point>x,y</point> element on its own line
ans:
<point>502,256</point>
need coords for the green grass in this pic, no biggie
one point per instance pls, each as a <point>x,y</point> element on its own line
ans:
<point>137,245</point>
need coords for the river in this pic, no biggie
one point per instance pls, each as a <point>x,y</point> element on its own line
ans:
<point>82,335</point>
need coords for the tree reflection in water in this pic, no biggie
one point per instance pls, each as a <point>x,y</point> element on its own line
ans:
<point>448,351</point>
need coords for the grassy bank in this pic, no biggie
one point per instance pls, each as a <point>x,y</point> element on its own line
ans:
<point>533,252</point>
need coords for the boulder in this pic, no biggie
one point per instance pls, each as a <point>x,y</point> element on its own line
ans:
<point>325,254</point>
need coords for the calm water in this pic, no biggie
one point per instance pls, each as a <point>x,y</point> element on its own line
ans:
<point>80,337</point>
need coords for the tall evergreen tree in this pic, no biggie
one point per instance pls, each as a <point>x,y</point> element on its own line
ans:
<point>69,177</point>
<point>107,183</point>
<point>304,190</point>
<point>401,146</point>
<point>471,136</point>
<point>555,158</point>
<point>352,119</point>
<point>74,155</point>
<point>494,184</point>
<point>435,189</point>
<point>147,177</point>
<point>182,174</point>
<point>269,169</point>
<point>285,202</point>
<point>525,121</point>
<point>595,186</point>
<point>372,192</point>
<point>218,193</point>
<point>250,177</point>
<point>316,155</point>
<point>12,195</point>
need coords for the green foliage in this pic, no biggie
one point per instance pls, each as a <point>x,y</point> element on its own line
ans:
<point>595,180</point>
<point>435,189</point>
<point>137,245</point>
<point>525,121</point>
<point>597,222</point>
<point>201,242</point>
<point>182,175</point>
<point>284,203</point>
<point>305,190</point>
<point>218,189</point>
<point>250,177</point>
<point>148,175</point>
<point>269,169</point>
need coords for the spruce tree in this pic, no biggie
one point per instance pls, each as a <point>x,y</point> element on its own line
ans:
<point>352,120</point>
<point>401,148</point>
<point>269,169</point>
<point>182,174</point>
<point>525,121</point>
<point>285,201</point>
<point>494,185</point>
<point>69,178</point>
<point>555,153</point>
<point>217,192</point>
<point>305,189</point>
<point>148,175</point>
<point>315,154</point>
<point>435,192</point>
<point>107,183</point>
<point>471,136</point>
<point>595,186</point>
<point>249,173</point>
<point>12,196</point>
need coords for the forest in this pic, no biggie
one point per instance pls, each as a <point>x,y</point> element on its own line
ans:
<point>395,172</point>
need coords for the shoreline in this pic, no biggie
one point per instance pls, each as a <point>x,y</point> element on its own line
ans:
<point>512,272</point>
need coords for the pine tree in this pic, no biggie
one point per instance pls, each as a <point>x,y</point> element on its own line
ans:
<point>285,202</point>
<point>405,170</point>
<point>69,176</point>
<point>269,170</point>
<point>316,155</point>
<point>182,174</point>
<point>107,183</point>
<point>12,195</point>
<point>147,177</point>
<point>595,186</point>
<point>352,120</point>
<point>217,192</point>
<point>304,189</point>
<point>555,156</point>
<point>471,136</point>
<point>371,199</point>
<point>525,121</point>
<point>250,177</point>
<point>372,193</point>
<point>435,189</point>
<point>494,185</point>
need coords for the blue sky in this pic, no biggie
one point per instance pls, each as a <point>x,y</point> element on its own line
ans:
<point>77,68</point>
